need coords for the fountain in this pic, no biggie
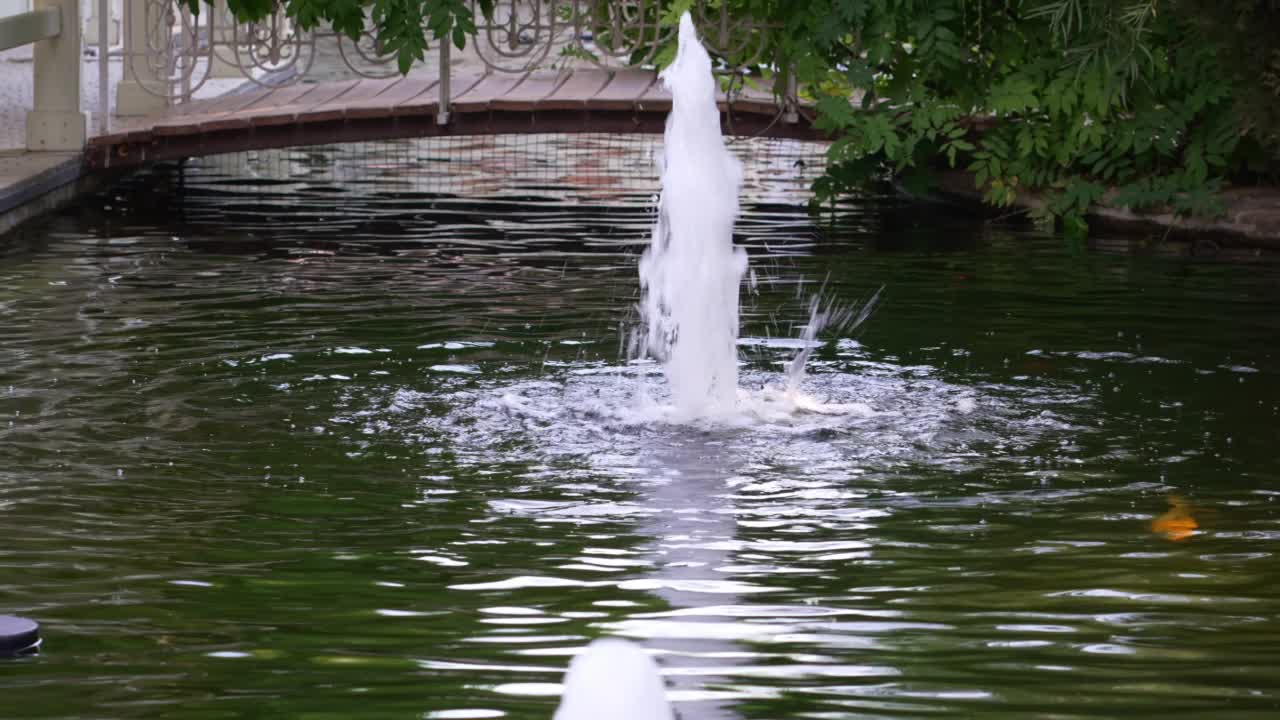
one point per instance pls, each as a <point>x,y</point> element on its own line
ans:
<point>387,398</point>
<point>691,271</point>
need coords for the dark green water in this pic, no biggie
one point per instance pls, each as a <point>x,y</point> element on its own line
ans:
<point>346,434</point>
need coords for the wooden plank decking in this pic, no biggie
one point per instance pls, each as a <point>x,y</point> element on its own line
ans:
<point>354,110</point>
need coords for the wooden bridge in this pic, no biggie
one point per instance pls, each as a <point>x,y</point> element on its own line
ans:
<point>182,85</point>
<point>591,100</point>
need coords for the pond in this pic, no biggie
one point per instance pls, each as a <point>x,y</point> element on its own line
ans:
<point>351,432</point>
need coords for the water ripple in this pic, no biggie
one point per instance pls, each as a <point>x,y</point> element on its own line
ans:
<point>349,432</point>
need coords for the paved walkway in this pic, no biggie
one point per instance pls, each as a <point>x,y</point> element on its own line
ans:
<point>16,97</point>
<point>16,93</point>
<point>31,183</point>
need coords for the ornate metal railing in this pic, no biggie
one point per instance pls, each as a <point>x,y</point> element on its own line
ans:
<point>171,53</point>
<point>522,36</point>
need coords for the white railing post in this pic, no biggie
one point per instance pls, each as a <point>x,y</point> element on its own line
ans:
<point>184,23</point>
<point>141,90</point>
<point>93,28</point>
<point>57,123</point>
<point>790,113</point>
<point>104,65</point>
<point>444,87</point>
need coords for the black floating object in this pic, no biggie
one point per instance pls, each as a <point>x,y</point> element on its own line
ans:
<point>18,636</point>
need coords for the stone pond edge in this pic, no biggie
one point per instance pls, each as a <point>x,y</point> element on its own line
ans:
<point>1251,219</point>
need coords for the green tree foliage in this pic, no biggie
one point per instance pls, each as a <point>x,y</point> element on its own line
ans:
<point>1139,103</point>
<point>401,26</point>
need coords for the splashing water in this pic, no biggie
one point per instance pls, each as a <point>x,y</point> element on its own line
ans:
<point>821,317</point>
<point>691,271</point>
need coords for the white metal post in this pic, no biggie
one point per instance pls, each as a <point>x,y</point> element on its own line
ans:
<point>94,27</point>
<point>104,67</point>
<point>184,24</point>
<point>141,90</point>
<point>790,103</point>
<point>91,35</point>
<point>442,115</point>
<point>57,123</point>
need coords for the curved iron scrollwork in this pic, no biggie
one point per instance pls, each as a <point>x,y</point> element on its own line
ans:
<point>525,35</point>
<point>174,51</point>
<point>271,52</point>
<point>184,51</point>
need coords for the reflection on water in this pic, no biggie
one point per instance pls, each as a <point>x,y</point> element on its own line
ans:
<point>349,432</point>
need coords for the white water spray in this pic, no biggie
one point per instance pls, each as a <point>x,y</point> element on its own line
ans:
<point>822,317</point>
<point>691,272</point>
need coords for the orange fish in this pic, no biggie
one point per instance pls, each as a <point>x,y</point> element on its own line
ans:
<point>1177,523</point>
